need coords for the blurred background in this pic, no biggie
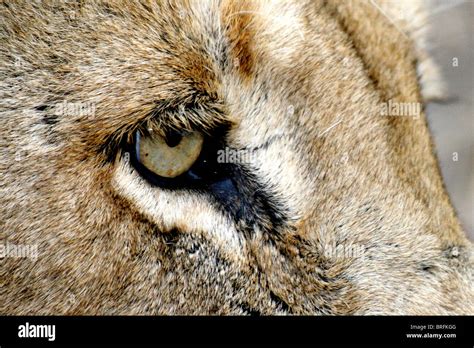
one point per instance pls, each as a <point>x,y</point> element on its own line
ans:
<point>452,123</point>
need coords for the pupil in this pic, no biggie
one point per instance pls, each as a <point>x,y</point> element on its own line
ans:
<point>173,138</point>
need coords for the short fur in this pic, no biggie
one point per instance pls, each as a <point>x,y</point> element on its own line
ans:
<point>300,82</point>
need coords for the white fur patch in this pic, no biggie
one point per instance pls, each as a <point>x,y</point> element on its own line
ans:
<point>189,212</point>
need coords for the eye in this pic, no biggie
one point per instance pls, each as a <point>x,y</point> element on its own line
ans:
<point>180,159</point>
<point>170,156</point>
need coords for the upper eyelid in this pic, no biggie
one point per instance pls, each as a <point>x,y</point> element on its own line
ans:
<point>196,115</point>
<point>203,117</point>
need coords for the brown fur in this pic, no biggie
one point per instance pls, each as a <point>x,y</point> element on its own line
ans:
<point>110,243</point>
<point>239,19</point>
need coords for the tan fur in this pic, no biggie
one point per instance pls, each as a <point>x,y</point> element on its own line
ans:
<point>301,82</point>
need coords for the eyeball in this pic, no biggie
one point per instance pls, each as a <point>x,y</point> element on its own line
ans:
<point>169,156</point>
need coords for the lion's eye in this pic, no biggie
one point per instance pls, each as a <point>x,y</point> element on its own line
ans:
<point>171,156</point>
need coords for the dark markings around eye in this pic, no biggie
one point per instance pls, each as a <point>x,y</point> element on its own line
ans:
<point>249,203</point>
<point>233,187</point>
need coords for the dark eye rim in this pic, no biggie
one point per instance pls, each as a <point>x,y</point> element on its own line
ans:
<point>235,190</point>
<point>204,172</point>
